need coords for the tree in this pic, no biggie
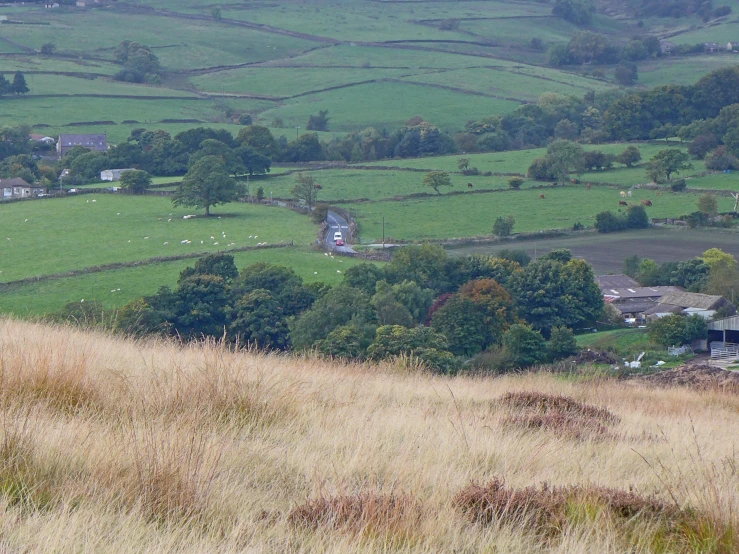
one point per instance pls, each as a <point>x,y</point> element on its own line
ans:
<point>260,321</point>
<point>562,343</point>
<point>349,342</point>
<point>19,85</point>
<point>207,183</point>
<point>436,179</point>
<point>463,164</point>
<point>135,181</point>
<point>708,204</point>
<point>424,264</point>
<point>260,139</point>
<point>220,265</point>
<point>636,217</point>
<point>462,322</point>
<point>702,145</point>
<point>503,227</point>
<point>564,156</point>
<point>318,122</point>
<point>5,86</point>
<point>48,49</point>
<point>676,330</point>
<point>666,162</point>
<point>495,303</point>
<point>626,73</point>
<point>306,148</point>
<point>579,12</point>
<point>306,190</point>
<point>364,277</point>
<point>631,265</point>
<point>516,182</point>
<point>525,345</point>
<point>200,305</point>
<point>715,257</point>
<point>338,307</point>
<point>423,343</point>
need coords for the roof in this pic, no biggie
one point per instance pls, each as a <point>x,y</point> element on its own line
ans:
<point>691,300</point>
<point>663,309</point>
<point>608,282</point>
<point>638,292</point>
<point>635,307</point>
<point>40,137</point>
<point>726,324</point>
<point>73,140</point>
<point>14,182</point>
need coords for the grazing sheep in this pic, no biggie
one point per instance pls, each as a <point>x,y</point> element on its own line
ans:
<point>628,194</point>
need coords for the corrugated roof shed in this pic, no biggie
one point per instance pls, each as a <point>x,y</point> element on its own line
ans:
<point>691,300</point>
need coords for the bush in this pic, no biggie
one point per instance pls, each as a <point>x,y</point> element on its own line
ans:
<point>676,330</point>
<point>562,343</point>
<point>541,170</point>
<point>503,227</point>
<point>516,182</point>
<point>678,185</point>
<point>525,346</point>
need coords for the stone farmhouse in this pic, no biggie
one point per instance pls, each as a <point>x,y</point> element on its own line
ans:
<point>18,188</point>
<point>98,143</point>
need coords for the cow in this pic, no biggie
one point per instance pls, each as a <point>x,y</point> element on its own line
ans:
<point>318,187</point>
<point>623,194</point>
<point>588,186</point>
<point>646,202</point>
<point>622,203</point>
<point>469,185</point>
<point>541,196</point>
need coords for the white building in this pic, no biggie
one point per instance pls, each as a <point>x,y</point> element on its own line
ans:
<point>113,174</point>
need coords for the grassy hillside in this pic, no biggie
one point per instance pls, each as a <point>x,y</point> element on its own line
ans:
<point>393,62</point>
<point>99,439</point>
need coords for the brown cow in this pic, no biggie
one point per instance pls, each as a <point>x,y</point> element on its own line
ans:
<point>318,187</point>
<point>541,196</point>
<point>469,185</point>
<point>646,202</point>
<point>622,203</point>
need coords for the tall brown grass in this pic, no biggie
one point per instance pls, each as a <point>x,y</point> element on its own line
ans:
<point>110,445</point>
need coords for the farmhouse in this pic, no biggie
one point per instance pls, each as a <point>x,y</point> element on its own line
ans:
<point>689,303</point>
<point>18,188</point>
<point>113,174</point>
<point>98,143</point>
<point>633,301</point>
<point>733,46</point>
<point>666,47</point>
<point>711,47</point>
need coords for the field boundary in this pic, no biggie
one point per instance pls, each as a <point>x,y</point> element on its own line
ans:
<point>9,285</point>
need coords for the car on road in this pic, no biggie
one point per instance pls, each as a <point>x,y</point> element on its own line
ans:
<point>339,242</point>
<point>337,236</point>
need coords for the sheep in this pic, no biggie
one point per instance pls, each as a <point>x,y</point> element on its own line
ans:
<point>26,221</point>
<point>628,194</point>
<point>169,220</point>
<point>93,200</point>
<point>215,244</point>
<point>166,243</point>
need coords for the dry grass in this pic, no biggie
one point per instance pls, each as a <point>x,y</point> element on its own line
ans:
<point>108,445</point>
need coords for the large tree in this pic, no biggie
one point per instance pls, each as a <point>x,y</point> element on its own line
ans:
<point>306,190</point>
<point>666,162</point>
<point>206,184</point>
<point>135,181</point>
<point>436,179</point>
<point>565,156</point>
<point>19,83</point>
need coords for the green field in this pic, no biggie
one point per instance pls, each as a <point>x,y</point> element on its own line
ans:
<point>75,232</point>
<point>470,215</point>
<point>49,296</point>
<point>620,340</point>
<point>446,76</point>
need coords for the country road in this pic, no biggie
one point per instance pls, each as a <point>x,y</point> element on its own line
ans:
<point>337,223</point>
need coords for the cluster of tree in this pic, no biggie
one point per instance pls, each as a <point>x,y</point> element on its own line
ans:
<point>634,217</point>
<point>416,138</point>
<point>18,86</point>
<point>158,153</point>
<point>587,47</point>
<point>713,272</point>
<point>564,157</point>
<point>676,330</point>
<point>675,8</point>
<point>579,12</point>
<point>422,305</point>
<point>715,140</point>
<point>140,64</point>
<point>662,111</point>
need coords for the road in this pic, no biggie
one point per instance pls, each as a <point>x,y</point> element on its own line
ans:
<point>337,223</point>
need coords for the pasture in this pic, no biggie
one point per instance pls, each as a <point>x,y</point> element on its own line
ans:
<point>75,232</point>
<point>471,215</point>
<point>292,53</point>
<point>606,252</point>
<point>39,298</point>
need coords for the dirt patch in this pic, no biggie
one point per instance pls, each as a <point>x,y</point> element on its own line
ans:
<point>559,415</point>
<point>701,377</point>
<point>595,357</point>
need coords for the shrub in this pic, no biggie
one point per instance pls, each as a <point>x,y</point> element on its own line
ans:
<point>541,170</point>
<point>562,343</point>
<point>675,330</point>
<point>503,227</point>
<point>526,346</point>
<point>678,185</point>
<point>516,182</point>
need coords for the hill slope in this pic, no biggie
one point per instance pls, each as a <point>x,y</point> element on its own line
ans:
<point>115,446</point>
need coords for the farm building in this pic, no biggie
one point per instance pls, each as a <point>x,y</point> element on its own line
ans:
<point>96,142</point>
<point>711,47</point>
<point>42,138</point>
<point>724,330</point>
<point>733,46</point>
<point>113,174</point>
<point>689,303</point>
<point>18,188</point>
<point>632,301</point>
<point>610,282</point>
